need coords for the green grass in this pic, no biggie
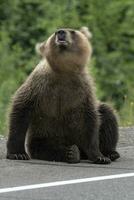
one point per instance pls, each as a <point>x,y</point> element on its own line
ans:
<point>127,112</point>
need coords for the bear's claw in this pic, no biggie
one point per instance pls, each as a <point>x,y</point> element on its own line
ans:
<point>102,160</point>
<point>20,156</point>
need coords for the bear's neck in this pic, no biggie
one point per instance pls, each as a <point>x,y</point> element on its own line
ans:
<point>62,67</point>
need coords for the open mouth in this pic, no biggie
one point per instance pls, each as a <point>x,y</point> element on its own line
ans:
<point>61,42</point>
<point>61,38</point>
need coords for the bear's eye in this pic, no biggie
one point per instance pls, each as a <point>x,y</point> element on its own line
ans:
<point>72,32</point>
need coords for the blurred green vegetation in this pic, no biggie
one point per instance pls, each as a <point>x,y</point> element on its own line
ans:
<point>23,23</point>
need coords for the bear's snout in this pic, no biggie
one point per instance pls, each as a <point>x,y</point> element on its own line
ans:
<point>61,34</point>
<point>62,39</point>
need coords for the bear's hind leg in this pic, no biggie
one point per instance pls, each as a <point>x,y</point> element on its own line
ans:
<point>108,132</point>
<point>72,154</point>
<point>40,148</point>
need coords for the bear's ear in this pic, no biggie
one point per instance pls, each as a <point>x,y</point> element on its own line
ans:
<point>40,48</point>
<point>86,32</point>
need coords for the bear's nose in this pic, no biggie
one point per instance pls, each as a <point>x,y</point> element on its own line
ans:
<point>61,34</point>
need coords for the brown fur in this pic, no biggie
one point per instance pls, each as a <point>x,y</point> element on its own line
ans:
<point>57,107</point>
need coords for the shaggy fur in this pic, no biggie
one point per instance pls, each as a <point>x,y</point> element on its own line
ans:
<point>56,107</point>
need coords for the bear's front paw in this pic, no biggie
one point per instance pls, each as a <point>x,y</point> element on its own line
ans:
<point>18,156</point>
<point>73,154</point>
<point>102,160</point>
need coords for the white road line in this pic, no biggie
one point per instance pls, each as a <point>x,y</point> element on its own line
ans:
<point>68,182</point>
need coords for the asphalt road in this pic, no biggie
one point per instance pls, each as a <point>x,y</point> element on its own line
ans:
<point>90,182</point>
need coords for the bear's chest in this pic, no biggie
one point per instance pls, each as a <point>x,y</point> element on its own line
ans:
<point>60,96</point>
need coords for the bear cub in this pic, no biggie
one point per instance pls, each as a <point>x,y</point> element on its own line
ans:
<point>56,111</point>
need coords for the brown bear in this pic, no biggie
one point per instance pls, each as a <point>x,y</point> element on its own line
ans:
<point>56,107</point>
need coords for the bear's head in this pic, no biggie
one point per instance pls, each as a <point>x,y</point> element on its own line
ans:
<point>67,49</point>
